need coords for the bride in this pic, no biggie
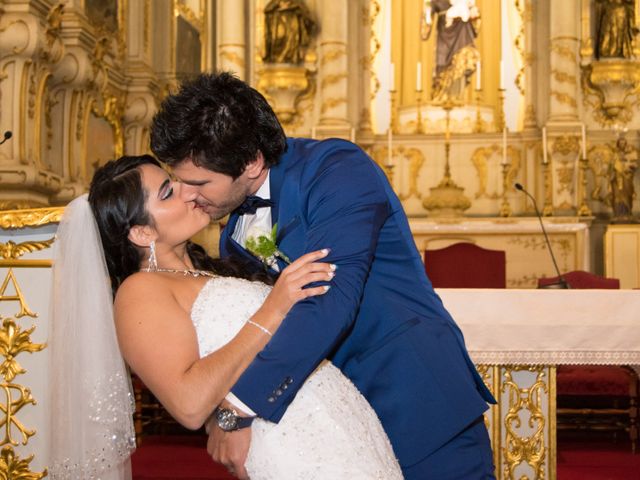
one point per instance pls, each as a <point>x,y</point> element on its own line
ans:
<point>188,326</point>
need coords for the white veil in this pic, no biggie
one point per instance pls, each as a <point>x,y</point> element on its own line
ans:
<point>91,401</point>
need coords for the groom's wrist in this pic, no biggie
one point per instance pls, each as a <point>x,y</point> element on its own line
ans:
<point>230,420</point>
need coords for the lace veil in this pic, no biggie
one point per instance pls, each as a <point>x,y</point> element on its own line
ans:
<point>91,400</point>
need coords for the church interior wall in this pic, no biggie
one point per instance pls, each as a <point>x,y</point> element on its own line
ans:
<point>75,94</point>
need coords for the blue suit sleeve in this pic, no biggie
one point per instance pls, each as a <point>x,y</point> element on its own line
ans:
<point>344,208</point>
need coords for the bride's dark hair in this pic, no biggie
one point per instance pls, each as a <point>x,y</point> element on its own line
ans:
<point>117,199</point>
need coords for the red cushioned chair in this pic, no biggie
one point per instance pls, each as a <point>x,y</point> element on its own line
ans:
<point>595,397</point>
<point>465,265</point>
<point>582,279</point>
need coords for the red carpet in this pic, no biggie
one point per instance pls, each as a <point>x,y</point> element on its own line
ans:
<point>175,457</point>
<point>597,460</point>
<point>185,458</point>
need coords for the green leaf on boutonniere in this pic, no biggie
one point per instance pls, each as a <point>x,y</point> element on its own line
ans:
<point>263,245</point>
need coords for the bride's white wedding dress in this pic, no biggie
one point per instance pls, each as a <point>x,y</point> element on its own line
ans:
<point>328,431</point>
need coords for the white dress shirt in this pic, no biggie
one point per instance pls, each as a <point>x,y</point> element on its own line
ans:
<point>260,220</point>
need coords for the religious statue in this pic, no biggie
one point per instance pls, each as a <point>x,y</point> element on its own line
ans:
<point>621,175</point>
<point>288,30</point>
<point>456,54</point>
<point>615,28</point>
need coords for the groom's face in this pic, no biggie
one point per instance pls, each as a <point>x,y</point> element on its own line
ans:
<point>215,193</point>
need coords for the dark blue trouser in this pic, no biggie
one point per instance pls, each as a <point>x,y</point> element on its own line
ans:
<point>467,456</point>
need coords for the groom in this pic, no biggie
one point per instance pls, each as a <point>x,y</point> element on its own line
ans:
<point>381,323</point>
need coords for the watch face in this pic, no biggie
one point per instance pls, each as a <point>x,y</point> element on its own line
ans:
<point>227,419</point>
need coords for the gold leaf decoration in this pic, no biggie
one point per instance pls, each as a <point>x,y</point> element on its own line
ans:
<point>30,218</point>
<point>14,341</point>
<point>11,250</point>
<point>13,468</point>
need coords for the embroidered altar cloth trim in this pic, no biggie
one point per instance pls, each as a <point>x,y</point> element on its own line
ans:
<point>510,326</point>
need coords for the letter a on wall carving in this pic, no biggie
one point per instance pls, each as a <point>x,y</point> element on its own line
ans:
<point>17,297</point>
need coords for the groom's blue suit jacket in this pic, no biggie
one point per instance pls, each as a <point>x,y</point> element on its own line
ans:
<point>381,322</point>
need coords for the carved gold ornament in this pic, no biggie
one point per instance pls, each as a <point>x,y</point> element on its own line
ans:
<point>14,341</point>
<point>612,89</point>
<point>525,404</point>
<point>18,297</point>
<point>13,468</point>
<point>11,250</point>
<point>33,217</point>
<point>480,160</point>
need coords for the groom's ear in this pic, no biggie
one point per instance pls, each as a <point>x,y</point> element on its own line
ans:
<point>141,235</point>
<point>255,167</point>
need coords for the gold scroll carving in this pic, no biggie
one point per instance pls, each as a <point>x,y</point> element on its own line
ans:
<point>525,403</point>
<point>14,397</point>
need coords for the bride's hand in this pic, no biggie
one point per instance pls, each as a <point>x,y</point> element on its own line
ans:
<point>288,288</point>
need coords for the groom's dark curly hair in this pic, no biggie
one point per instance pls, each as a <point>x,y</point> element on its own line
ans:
<point>218,122</point>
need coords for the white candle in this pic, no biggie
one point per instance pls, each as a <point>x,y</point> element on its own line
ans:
<point>352,135</point>
<point>389,144</point>
<point>392,79</point>
<point>504,146</point>
<point>584,141</point>
<point>419,77</point>
<point>501,74</point>
<point>545,160</point>
<point>478,75</point>
<point>313,132</point>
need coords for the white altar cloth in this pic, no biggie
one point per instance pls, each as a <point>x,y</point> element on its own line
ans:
<point>548,326</point>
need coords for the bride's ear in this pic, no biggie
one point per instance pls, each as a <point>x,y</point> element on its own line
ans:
<point>141,235</point>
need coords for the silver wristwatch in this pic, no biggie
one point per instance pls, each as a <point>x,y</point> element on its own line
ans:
<point>229,420</point>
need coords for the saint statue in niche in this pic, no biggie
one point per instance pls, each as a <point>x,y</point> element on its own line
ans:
<point>288,31</point>
<point>615,28</point>
<point>103,13</point>
<point>457,24</point>
<point>622,170</point>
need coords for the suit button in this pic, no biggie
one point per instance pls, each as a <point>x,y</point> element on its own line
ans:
<point>288,380</point>
<point>284,386</point>
<point>278,392</point>
<point>271,399</point>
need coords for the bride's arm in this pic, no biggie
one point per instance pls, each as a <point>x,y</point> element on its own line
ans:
<point>159,342</point>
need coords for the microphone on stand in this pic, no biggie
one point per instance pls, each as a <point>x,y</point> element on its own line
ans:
<point>561,283</point>
<point>7,135</point>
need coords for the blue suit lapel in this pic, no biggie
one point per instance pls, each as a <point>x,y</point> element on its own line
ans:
<point>276,177</point>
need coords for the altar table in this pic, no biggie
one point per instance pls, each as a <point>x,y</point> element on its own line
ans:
<point>517,337</point>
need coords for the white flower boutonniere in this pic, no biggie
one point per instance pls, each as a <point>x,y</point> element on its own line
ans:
<point>262,244</point>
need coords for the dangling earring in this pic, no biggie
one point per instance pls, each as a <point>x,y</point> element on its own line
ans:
<point>152,265</point>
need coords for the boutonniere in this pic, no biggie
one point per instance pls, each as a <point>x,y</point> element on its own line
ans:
<point>262,244</point>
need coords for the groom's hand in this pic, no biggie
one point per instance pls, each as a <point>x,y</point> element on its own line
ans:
<point>229,448</point>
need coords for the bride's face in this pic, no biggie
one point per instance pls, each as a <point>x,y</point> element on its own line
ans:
<point>175,220</point>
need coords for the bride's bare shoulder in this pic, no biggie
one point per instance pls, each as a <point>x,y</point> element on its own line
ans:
<point>140,288</point>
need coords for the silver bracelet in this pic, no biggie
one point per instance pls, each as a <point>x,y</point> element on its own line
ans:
<point>264,329</point>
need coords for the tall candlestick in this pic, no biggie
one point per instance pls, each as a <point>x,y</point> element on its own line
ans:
<point>504,146</point>
<point>392,79</point>
<point>313,133</point>
<point>389,142</point>
<point>478,75</point>
<point>584,141</point>
<point>419,77</point>
<point>545,160</point>
<point>501,74</point>
<point>352,135</point>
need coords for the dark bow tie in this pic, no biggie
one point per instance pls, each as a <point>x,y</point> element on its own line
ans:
<point>251,204</point>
